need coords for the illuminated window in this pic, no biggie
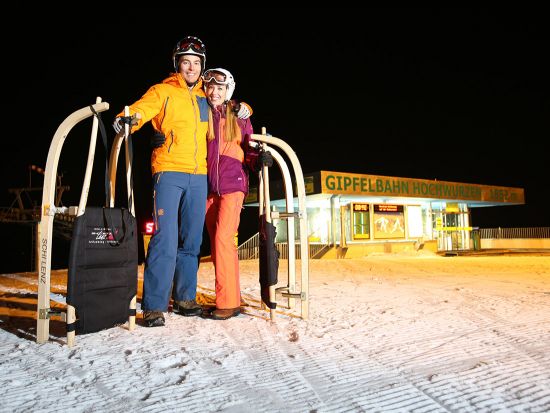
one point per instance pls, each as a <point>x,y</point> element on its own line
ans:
<point>361,221</point>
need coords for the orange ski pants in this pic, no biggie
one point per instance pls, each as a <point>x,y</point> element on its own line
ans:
<point>223,214</point>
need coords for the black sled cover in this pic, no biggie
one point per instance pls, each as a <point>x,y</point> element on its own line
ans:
<point>102,270</point>
<point>269,260</point>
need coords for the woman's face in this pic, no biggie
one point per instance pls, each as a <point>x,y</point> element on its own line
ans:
<point>216,93</point>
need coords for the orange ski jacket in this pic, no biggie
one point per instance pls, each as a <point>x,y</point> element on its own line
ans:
<point>182,115</point>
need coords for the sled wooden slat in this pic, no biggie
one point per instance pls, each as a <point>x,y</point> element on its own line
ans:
<point>296,293</point>
<point>49,209</point>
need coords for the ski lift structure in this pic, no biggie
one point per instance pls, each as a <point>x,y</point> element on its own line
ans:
<point>295,291</point>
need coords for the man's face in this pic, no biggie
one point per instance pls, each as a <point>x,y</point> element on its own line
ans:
<point>190,68</point>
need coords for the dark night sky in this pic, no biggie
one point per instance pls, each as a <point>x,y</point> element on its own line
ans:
<point>449,94</point>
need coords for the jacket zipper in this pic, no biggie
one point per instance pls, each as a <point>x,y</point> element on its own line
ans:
<point>196,127</point>
<point>219,150</point>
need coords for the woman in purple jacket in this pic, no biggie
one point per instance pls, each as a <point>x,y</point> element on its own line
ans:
<point>227,141</point>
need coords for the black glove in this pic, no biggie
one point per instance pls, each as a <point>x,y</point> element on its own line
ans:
<point>265,158</point>
<point>157,140</point>
<point>118,124</point>
<point>241,109</point>
<point>235,105</point>
<point>256,157</point>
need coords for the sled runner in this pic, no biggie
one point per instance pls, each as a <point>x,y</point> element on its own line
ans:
<point>103,258</point>
<point>269,258</point>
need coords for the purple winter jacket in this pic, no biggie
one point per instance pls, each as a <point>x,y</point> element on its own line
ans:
<point>226,169</point>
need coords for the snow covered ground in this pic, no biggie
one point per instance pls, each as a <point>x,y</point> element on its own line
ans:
<point>387,333</point>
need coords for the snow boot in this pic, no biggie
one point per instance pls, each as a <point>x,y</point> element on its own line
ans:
<point>187,308</point>
<point>153,318</point>
<point>224,314</point>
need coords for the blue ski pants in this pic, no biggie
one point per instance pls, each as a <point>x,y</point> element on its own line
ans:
<point>179,207</point>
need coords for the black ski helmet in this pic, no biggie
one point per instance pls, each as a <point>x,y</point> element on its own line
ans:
<point>189,45</point>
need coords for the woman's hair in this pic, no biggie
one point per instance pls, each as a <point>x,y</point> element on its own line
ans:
<point>232,130</point>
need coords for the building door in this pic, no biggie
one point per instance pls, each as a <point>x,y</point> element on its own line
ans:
<point>451,230</point>
<point>361,221</point>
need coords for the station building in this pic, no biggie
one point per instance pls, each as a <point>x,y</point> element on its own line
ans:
<point>388,214</point>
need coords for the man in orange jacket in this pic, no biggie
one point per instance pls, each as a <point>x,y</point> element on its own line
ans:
<point>178,108</point>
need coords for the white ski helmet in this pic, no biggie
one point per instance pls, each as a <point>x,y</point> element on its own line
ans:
<point>189,45</point>
<point>221,77</point>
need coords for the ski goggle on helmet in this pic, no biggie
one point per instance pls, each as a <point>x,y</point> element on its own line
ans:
<point>221,77</point>
<point>189,45</point>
